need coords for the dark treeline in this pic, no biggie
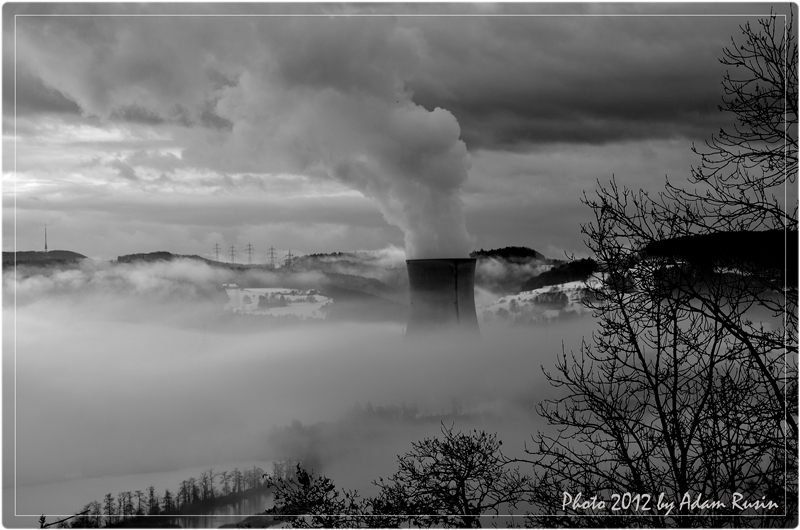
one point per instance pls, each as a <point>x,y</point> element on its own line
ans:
<point>193,496</point>
<point>295,445</point>
<point>514,254</point>
<point>578,270</point>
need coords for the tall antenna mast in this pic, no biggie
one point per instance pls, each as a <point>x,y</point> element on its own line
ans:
<point>272,254</point>
<point>216,250</point>
<point>249,249</point>
<point>233,254</point>
<point>45,236</point>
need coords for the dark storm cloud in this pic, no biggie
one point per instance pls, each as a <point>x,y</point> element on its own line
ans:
<point>34,97</point>
<point>136,114</point>
<point>124,170</point>
<point>525,80</point>
<point>360,99</point>
<point>510,81</point>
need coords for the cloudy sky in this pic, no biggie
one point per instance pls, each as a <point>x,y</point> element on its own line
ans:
<point>409,127</point>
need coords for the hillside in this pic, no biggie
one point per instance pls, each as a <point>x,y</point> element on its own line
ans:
<point>511,254</point>
<point>573,271</point>
<point>543,305</point>
<point>41,257</point>
<point>772,249</point>
<point>161,255</point>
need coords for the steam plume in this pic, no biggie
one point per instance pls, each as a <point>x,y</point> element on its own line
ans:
<point>318,96</point>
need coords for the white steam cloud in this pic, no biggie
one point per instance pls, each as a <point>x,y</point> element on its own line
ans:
<point>318,96</point>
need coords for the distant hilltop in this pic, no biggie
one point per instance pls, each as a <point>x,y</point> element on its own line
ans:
<point>155,256</point>
<point>509,254</point>
<point>38,256</point>
<point>163,255</point>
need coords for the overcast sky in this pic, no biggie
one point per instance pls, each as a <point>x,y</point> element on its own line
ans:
<point>337,133</point>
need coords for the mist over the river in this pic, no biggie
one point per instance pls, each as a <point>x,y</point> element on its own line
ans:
<point>125,369</point>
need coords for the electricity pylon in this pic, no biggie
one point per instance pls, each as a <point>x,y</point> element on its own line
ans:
<point>272,254</point>
<point>289,259</point>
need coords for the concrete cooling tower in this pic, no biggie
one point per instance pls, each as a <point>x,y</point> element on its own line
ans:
<point>442,295</point>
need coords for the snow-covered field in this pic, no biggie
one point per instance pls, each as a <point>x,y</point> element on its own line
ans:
<point>545,304</point>
<point>276,301</point>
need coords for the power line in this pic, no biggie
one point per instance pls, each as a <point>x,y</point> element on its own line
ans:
<point>289,259</point>
<point>249,250</point>
<point>272,254</point>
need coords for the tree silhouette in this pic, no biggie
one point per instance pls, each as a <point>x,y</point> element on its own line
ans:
<point>683,390</point>
<point>308,501</point>
<point>168,501</point>
<point>452,480</point>
<point>225,478</point>
<point>139,494</point>
<point>109,508</point>
<point>448,482</point>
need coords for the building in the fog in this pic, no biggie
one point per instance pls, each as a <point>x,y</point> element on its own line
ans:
<point>442,295</point>
<point>276,301</point>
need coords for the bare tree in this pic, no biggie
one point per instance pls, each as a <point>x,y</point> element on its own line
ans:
<point>225,479</point>
<point>447,482</point>
<point>744,169</point>
<point>662,401</point>
<point>453,481</point>
<point>168,501</point>
<point>109,509</point>
<point>309,501</point>
<point>139,494</point>
<point>685,389</point>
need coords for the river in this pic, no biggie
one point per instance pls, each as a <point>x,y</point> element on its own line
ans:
<point>64,498</point>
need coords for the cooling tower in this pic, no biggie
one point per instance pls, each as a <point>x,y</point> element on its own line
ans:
<point>442,295</point>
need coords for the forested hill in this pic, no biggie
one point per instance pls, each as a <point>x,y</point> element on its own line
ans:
<point>774,249</point>
<point>158,256</point>
<point>509,254</point>
<point>572,271</point>
<point>41,257</point>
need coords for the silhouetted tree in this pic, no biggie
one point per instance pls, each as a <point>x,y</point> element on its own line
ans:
<point>109,509</point>
<point>129,510</point>
<point>121,498</point>
<point>205,484</point>
<point>168,504</point>
<point>238,480</point>
<point>152,501</point>
<point>85,519</point>
<point>680,392</point>
<point>183,494</point>
<point>308,501</point>
<point>139,498</point>
<point>745,168</point>
<point>225,478</point>
<point>448,482</point>
<point>452,481</point>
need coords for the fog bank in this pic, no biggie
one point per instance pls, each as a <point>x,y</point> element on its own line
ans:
<point>118,380</point>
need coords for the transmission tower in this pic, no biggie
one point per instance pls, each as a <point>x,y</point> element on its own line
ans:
<point>249,249</point>
<point>216,250</point>
<point>45,237</point>
<point>233,254</point>
<point>289,259</point>
<point>272,254</point>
